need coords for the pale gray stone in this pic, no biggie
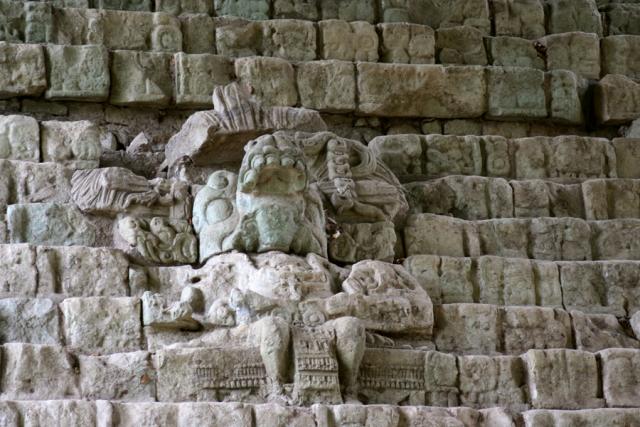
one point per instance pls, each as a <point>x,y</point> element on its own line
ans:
<point>77,72</point>
<point>515,93</point>
<point>38,372</point>
<point>627,156</point>
<point>58,412</point>
<point>102,324</point>
<point>73,144</point>
<point>49,224</point>
<point>19,138</point>
<point>134,5</point>
<point>407,43</point>
<point>184,7</point>
<point>18,273</point>
<point>563,379</point>
<point>441,379</point>
<point>506,281</point>
<point>515,52</point>
<point>166,35</point>
<point>22,70</point>
<point>620,376</point>
<point>141,78</point>
<point>252,9</point>
<point>594,332</point>
<point>421,90</point>
<point>620,55</point>
<point>519,18</point>
<point>623,19</point>
<point>527,328</point>
<point>29,320</point>
<point>40,182</point>
<point>577,51</point>
<point>584,288</point>
<point>272,80</point>
<point>616,239</point>
<point>584,418</point>
<point>467,328</point>
<point>290,39</point>
<point>445,235</point>
<point>198,29</point>
<point>327,85</point>
<point>487,381</point>
<point>348,10</point>
<point>565,16</point>
<point>348,41</point>
<point>110,25</point>
<point>560,239</point>
<point>564,91</point>
<point>198,75</point>
<point>460,45</point>
<point>452,155</point>
<point>617,99</point>
<point>294,9</point>
<point>120,376</point>
<point>401,153</point>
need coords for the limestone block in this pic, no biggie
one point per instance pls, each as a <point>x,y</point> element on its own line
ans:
<point>102,324</point>
<point>166,35</point>
<point>581,157</point>
<point>146,414</point>
<point>595,332</point>
<point>39,23</point>
<point>272,80</point>
<point>38,372</point>
<point>456,280</point>
<point>18,273</point>
<point>290,39</point>
<point>40,182</point>
<point>139,27</point>
<point>296,9</point>
<point>623,19</point>
<point>527,328</point>
<point>530,198</point>
<point>348,41</point>
<point>441,379</point>
<point>584,288</point>
<point>22,70</point>
<point>467,328</point>
<point>604,199</point>
<point>565,16</point>
<point>421,90</point>
<point>566,200</point>
<point>73,144</point>
<point>29,320</point>
<point>272,414</point>
<point>515,52</point>
<point>120,376</point>
<point>348,10</point>
<point>622,278</point>
<point>77,271</point>
<point>252,9</point>
<point>49,224</point>
<point>621,376</point>
<point>616,239</point>
<point>474,13</point>
<point>627,156</point>
<point>503,237</point>
<point>197,75</point>
<point>427,234</point>
<point>548,290</point>
<point>223,414</point>
<point>583,418</point>
<point>77,72</point>
<point>141,78</point>
<point>425,269</point>
<point>564,91</point>
<point>621,55</point>
<point>132,5</point>
<point>19,138</point>
<point>562,379</point>
<point>375,240</point>
<point>401,153</point>
<point>327,85</point>
<point>560,239</point>
<point>198,32</point>
<point>453,155</point>
<point>238,37</point>
<point>515,93</point>
<point>77,26</point>
<point>617,99</point>
<point>578,52</point>
<point>460,45</point>
<point>497,156</point>
<point>407,43</point>
<point>487,381</point>
<point>505,281</point>
<point>57,412</point>
<point>184,7</point>
<point>519,18</point>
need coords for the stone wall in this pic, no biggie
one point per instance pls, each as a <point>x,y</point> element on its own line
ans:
<point>320,213</point>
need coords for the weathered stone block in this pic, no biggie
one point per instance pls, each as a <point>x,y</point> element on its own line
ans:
<point>583,418</point>
<point>527,328</point>
<point>111,24</point>
<point>120,376</point>
<point>573,15</point>
<point>401,153</point>
<point>29,320</point>
<point>515,52</point>
<point>627,157</point>
<point>621,55</point>
<point>562,379</point>
<point>38,372</point>
<point>272,80</point>
<point>102,324</point>
<point>487,381</point>
<point>18,273</point>
<point>460,45</point>
<point>19,138</point>
<point>73,144</point>
<point>272,414</point>
<point>584,288</point>
<point>146,413</point>
<point>132,5</point>
<point>77,72</point>
<point>49,224</point>
<point>502,237</point>
<point>407,43</point>
<point>421,90</point>
<point>505,281</point>
<point>57,412</point>
<point>238,37</point>
<point>296,9</point>
<point>610,199</point>
<point>349,10</point>
<point>40,182</point>
<point>467,328</point>
<point>577,52</point>
<point>456,280</point>
<point>22,70</point>
<point>616,239</point>
<point>623,19</point>
<point>197,75</point>
<point>515,93</point>
<point>560,239</point>
<point>198,33</point>
<point>75,26</point>
<point>441,379</point>
<point>519,18</point>
<point>427,234</point>
<point>184,7</point>
<point>497,156</point>
<point>617,99</point>
<point>595,332</point>
<point>327,85</point>
<point>252,9</point>
<point>290,39</point>
<point>548,290</point>
<point>78,271</point>
<point>453,155</point>
<point>564,91</point>
<point>141,78</point>
<point>348,41</point>
<point>621,376</point>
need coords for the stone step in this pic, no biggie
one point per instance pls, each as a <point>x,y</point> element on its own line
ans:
<point>553,239</point>
<point>538,379</point>
<point>479,198</point>
<point>566,158</point>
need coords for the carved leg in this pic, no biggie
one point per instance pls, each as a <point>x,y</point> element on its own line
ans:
<point>272,336</point>
<point>350,344</point>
